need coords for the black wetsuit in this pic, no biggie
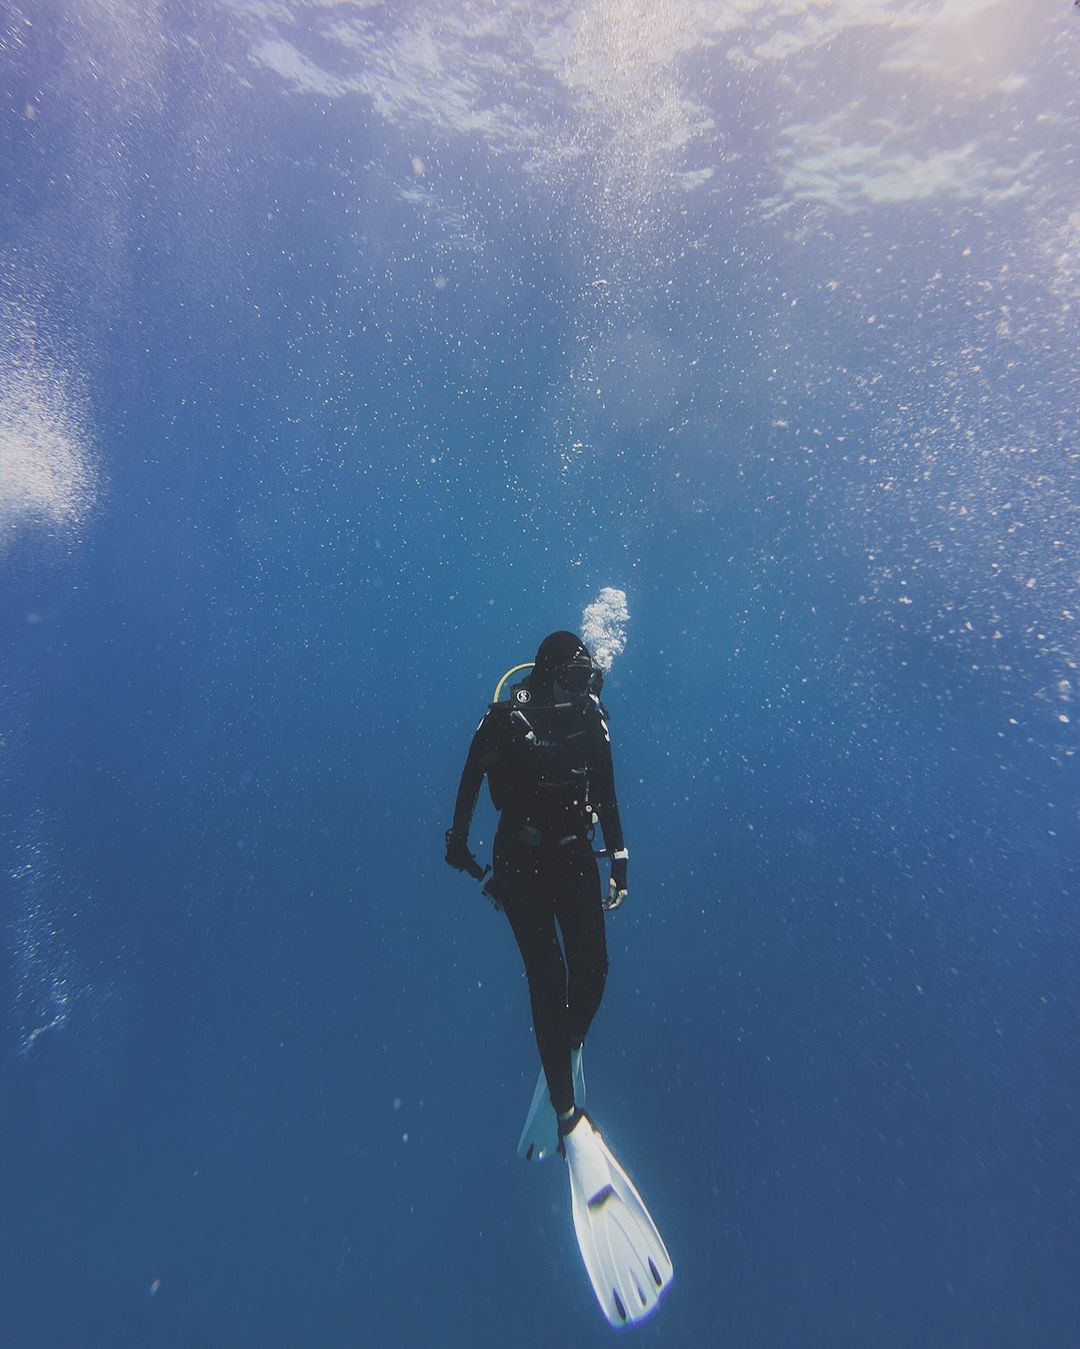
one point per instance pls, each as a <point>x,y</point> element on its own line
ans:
<point>549,770</point>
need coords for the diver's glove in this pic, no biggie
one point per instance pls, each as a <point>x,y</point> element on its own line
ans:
<point>460,858</point>
<point>617,885</point>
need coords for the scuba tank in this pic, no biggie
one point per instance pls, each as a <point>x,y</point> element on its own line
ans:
<point>546,746</point>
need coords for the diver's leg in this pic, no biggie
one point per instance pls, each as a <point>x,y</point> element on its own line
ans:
<point>580,910</point>
<point>532,918</point>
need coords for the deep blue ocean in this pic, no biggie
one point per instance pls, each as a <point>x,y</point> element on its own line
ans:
<point>346,350</point>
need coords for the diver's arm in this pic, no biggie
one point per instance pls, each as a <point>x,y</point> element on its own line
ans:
<point>472,775</point>
<point>605,801</point>
<point>607,808</point>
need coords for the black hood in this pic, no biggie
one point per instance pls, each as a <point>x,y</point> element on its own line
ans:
<point>555,651</point>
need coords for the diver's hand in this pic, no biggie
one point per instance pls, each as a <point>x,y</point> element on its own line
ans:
<point>460,858</point>
<point>617,887</point>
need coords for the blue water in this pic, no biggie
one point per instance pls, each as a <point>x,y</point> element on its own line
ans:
<point>348,350</point>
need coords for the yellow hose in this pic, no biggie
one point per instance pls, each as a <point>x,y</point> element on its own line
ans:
<point>499,686</point>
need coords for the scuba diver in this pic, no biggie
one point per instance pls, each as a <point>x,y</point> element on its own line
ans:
<point>547,756</point>
<point>546,753</point>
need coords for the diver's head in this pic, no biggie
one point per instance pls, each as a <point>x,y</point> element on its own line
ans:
<point>564,666</point>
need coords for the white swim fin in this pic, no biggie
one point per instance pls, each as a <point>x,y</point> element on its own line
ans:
<point>540,1136</point>
<point>625,1257</point>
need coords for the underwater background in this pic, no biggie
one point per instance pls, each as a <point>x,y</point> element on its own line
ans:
<point>346,349</point>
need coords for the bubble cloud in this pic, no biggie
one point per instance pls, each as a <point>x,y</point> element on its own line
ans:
<point>603,626</point>
<point>47,476</point>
